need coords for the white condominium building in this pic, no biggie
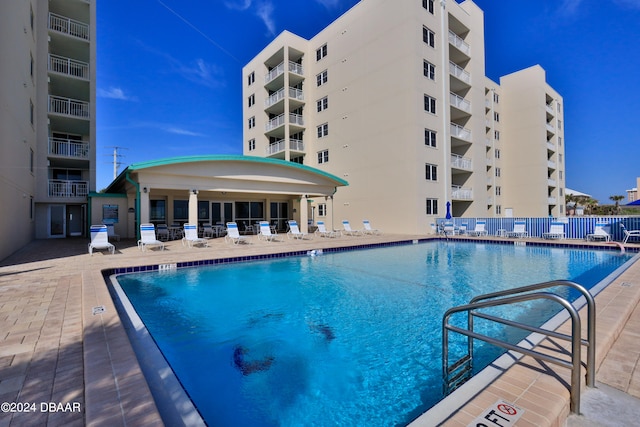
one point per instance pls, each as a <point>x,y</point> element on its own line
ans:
<point>392,97</point>
<point>47,119</point>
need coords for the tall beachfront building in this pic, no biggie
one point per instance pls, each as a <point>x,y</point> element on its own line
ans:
<point>392,97</point>
<point>47,119</point>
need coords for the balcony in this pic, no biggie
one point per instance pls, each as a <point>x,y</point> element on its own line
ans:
<point>459,102</point>
<point>551,164</point>
<point>68,148</point>
<point>457,41</point>
<point>296,119</point>
<point>461,193</point>
<point>550,128</point>
<point>68,26</point>
<point>69,67</point>
<point>274,123</point>
<point>274,73</point>
<point>280,146</point>
<point>551,182</point>
<point>296,68</point>
<point>460,132</point>
<point>274,98</point>
<point>69,107</point>
<point>552,200</point>
<point>460,162</point>
<point>68,189</point>
<point>458,72</point>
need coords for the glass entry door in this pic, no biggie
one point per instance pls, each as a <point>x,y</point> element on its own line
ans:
<point>221,212</point>
<point>57,221</point>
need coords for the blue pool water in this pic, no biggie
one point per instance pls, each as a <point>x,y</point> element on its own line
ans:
<point>349,338</point>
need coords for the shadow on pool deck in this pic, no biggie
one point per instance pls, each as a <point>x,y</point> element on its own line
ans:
<point>53,348</point>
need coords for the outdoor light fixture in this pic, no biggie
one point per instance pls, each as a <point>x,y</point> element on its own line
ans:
<point>145,189</point>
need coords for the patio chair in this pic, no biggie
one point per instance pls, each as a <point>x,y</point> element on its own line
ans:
<point>556,231</point>
<point>265,232</point>
<point>294,231</point>
<point>629,234</point>
<point>111,233</point>
<point>191,236</point>
<point>479,229</point>
<point>100,239</point>
<point>162,232</point>
<point>519,230</point>
<point>599,233</point>
<point>148,237</point>
<point>346,229</point>
<point>207,231</point>
<point>233,235</point>
<point>367,228</point>
<point>323,232</point>
<point>448,228</point>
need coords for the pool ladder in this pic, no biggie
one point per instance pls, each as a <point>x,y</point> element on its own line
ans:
<point>458,372</point>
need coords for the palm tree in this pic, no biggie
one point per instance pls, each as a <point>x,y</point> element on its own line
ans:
<point>617,199</point>
<point>590,204</point>
<point>570,202</point>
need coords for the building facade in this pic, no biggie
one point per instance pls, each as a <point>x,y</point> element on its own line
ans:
<point>393,98</point>
<point>47,119</point>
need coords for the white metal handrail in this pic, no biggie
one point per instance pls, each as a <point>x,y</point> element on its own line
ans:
<point>68,148</point>
<point>457,41</point>
<point>68,66</point>
<point>68,26</point>
<point>68,106</point>
<point>64,188</point>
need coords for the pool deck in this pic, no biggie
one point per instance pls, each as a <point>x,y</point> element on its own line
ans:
<point>65,352</point>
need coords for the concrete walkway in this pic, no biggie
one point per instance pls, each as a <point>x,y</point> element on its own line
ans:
<point>65,358</point>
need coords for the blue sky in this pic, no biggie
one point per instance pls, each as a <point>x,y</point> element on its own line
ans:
<point>170,83</point>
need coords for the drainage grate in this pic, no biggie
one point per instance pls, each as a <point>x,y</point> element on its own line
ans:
<point>98,310</point>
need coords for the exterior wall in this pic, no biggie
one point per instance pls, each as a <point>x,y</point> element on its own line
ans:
<point>27,163</point>
<point>376,118</point>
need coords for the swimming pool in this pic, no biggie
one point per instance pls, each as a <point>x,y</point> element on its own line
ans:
<point>345,338</point>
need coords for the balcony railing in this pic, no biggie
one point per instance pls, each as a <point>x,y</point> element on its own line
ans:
<point>68,189</point>
<point>68,148</point>
<point>457,41</point>
<point>68,107</point>
<point>550,128</point>
<point>551,164</point>
<point>68,26</point>
<point>274,98</point>
<point>459,102</point>
<point>459,72</point>
<point>274,72</point>
<point>279,146</point>
<point>460,162</point>
<point>68,66</point>
<point>296,68</point>
<point>275,122</point>
<point>296,119</point>
<point>460,132</point>
<point>461,193</point>
<point>296,94</point>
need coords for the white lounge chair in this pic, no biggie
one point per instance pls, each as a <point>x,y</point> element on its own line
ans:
<point>294,231</point>
<point>448,228</point>
<point>519,230</point>
<point>100,239</point>
<point>111,233</point>
<point>367,228</point>
<point>346,229</point>
<point>162,232</point>
<point>207,231</point>
<point>599,233</point>
<point>191,238</point>
<point>479,230</point>
<point>629,234</point>
<point>556,231</point>
<point>148,237</point>
<point>323,232</point>
<point>265,232</point>
<point>233,235</point>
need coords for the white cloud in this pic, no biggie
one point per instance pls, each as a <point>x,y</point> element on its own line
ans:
<point>114,93</point>
<point>180,131</point>
<point>329,4</point>
<point>263,9</point>
<point>201,72</point>
<point>238,4</point>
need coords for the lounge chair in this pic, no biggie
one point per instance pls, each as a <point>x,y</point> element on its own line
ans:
<point>556,231</point>
<point>367,228</point>
<point>162,232</point>
<point>148,237</point>
<point>191,236</point>
<point>629,234</point>
<point>346,229</point>
<point>323,232</point>
<point>448,229</point>
<point>100,239</point>
<point>294,231</point>
<point>479,230</point>
<point>265,232</point>
<point>519,230</point>
<point>111,233</point>
<point>207,231</point>
<point>233,234</point>
<point>599,233</point>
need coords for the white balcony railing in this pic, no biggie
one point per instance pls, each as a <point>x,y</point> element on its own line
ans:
<point>459,102</point>
<point>68,189</point>
<point>296,94</point>
<point>68,107</point>
<point>552,200</point>
<point>275,122</point>
<point>274,72</point>
<point>457,41</point>
<point>459,72</point>
<point>68,66</point>
<point>461,193</point>
<point>68,26</point>
<point>551,182</point>
<point>296,68</point>
<point>460,132</point>
<point>279,146</point>
<point>550,128</point>
<point>274,98</point>
<point>551,164</point>
<point>460,162</point>
<point>68,148</point>
<point>296,119</point>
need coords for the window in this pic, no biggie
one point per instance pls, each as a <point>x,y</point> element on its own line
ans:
<point>158,211</point>
<point>181,210</point>
<point>431,172</point>
<point>203,210</point>
<point>322,209</point>
<point>559,124</point>
<point>31,66</point>
<point>251,78</point>
<point>323,156</point>
<point>428,4</point>
<point>31,17</point>
<point>496,153</point>
<point>251,100</point>
<point>321,52</point>
<point>321,78</point>
<point>429,37</point>
<point>429,104</point>
<point>496,116</point>
<point>430,138</point>
<point>498,172</point>
<point>429,70</point>
<point>323,130</point>
<point>252,122</point>
<point>322,104</point>
<point>432,206</point>
<point>252,144</point>
<point>31,160</point>
<point>498,190</point>
<point>498,210</point>
<point>559,142</point>
<point>496,135</point>
<point>31,112</point>
<point>496,97</point>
